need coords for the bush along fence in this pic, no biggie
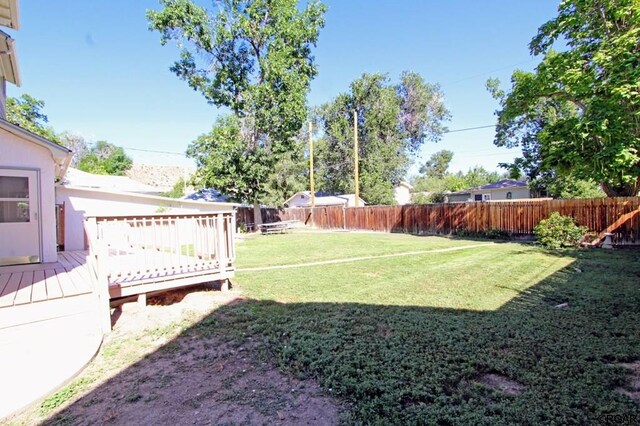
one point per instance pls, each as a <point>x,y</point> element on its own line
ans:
<point>619,216</point>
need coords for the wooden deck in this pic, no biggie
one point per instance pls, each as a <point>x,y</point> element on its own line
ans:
<point>49,327</point>
<point>25,284</point>
<point>146,270</point>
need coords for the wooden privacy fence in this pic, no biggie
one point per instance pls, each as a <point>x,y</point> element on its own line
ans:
<point>619,216</point>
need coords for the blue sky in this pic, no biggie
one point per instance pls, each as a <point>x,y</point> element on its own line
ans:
<point>103,75</point>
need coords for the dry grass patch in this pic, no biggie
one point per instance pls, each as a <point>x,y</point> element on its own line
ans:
<point>500,383</point>
<point>632,388</point>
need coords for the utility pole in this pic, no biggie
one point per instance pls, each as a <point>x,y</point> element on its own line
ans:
<point>313,191</point>
<point>355,151</point>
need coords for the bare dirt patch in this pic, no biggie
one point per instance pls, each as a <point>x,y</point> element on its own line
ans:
<point>500,383</point>
<point>186,376</point>
<point>632,389</point>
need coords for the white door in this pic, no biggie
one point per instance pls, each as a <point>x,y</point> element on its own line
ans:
<point>19,217</point>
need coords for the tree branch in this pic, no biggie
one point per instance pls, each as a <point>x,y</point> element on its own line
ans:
<point>568,97</point>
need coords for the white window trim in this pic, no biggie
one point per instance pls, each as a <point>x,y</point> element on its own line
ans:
<point>486,197</point>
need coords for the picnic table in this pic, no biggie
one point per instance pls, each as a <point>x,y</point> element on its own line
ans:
<point>278,227</point>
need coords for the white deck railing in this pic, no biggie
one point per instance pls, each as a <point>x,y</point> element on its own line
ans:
<point>132,253</point>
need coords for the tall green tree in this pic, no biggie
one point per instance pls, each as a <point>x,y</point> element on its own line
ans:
<point>437,165</point>
<point>105,159</point>
<point>394,120</point>
<point>77,144</point>
<point>254,58</point>
<point>578,115</point>
<point>26,112</point>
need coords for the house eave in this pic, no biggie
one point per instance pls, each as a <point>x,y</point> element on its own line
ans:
<point>60,155</point>
<point>9,14</point>
<point>148,196</point>
<point>9,59</point>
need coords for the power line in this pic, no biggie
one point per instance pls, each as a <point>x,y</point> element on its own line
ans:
<point>157,152</point>
<point>470,128</point>
<point>182,154</point>
<point>487,72</point>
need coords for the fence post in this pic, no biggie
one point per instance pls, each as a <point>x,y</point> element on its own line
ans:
<point>99,254</point>
<point>221,240</point>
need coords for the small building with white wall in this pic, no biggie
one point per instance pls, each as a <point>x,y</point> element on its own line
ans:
<point>402,193</point>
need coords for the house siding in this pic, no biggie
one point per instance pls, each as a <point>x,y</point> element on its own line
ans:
<point>459,198</point>
<point>402,194</point>
<point>299,200</point>
<point>501,193</point>
<point>20,154</point>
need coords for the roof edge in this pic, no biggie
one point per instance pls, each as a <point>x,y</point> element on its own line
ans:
<point>62,151</point>
<point>148,196</point>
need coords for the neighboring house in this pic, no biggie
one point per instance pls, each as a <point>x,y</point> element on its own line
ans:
<point>402,193</point>
<point>303,199</point>
<point>506,189</point>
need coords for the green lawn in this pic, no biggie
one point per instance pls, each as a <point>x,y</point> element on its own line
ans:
<point>404,340</point>
<point>304,247</point>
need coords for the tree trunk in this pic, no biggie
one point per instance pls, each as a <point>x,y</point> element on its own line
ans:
<point>257,213</point>
<point>622,190</point>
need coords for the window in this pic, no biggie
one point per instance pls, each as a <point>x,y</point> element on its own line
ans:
<point>477,197</point>
<point>509,195</point>
<point>14,199</point>
<point>486,197</point>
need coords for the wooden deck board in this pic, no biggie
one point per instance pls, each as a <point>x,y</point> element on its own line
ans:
<point>39,292</point>
<point>53,285</point>
<point>77,271</point>
<point>9,292</point>
<point>68,289</point>
<point>23,295</point>
<point>4,279</point>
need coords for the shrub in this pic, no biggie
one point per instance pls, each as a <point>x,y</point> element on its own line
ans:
<point>491,234</point>
<point>559,231</point>
<point>497,234</point>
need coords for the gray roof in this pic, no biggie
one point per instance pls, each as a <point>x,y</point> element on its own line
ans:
<point>504,184</point>
<point>501,184</point>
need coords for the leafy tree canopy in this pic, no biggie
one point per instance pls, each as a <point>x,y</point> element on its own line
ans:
<point>177,191</point>
<point>75,143</point>
<point>394,120</point>
<point>578,114</point>
<point>26,112</point>
<point>437,165</point>
<point>105,159</point>
<point>254,58</point>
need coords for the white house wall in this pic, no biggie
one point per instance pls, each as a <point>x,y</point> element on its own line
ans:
<point>501,194</point>
<point>299,200</point>
<point>81,203</point>
<point>402,195</point>
<point>20,154</point>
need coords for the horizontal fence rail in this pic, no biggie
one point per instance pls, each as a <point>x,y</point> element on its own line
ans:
<point>618,216</point>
